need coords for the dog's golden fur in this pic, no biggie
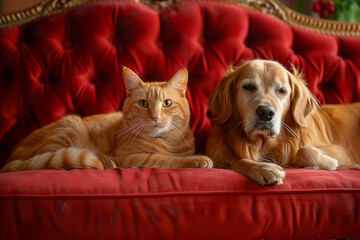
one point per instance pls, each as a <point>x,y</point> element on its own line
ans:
<point>299,134</point>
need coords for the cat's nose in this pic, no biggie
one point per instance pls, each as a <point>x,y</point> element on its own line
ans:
<point>156,118</point>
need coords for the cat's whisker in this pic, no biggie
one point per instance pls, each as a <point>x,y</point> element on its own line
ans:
<point>141,128</point>
<point>181,127</point>
<point>123,138</point>
<point>123,129</point>
<point>129,134</point>
<point>179,133</point>
<point>134,133</point>
<point>126,130</point>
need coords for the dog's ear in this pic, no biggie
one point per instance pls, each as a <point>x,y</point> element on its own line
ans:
<point>221,101</point>
<point>303,102</point>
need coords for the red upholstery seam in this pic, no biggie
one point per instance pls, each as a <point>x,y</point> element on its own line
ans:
<point>182,194</point>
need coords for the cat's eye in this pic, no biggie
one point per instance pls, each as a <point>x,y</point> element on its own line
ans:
<point>167,103</point>
<point>143,103</point>
<point>249,87</point>
<point>281,91</point>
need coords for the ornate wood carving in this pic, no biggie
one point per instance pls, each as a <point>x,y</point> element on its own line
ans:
<point>279,10</point>
<point>44,8</point>
<point>271,7</point>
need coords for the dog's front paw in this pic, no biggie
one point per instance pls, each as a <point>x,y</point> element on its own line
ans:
<point>313,158</point>
<point>267,173</point>
<point>331,163</point>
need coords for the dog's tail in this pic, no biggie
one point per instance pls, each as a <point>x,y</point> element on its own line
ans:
<point>348,166</point>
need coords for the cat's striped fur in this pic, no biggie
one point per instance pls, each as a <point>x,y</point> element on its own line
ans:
<point>151,131</point>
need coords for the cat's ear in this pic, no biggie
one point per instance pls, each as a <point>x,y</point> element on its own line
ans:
<point>131,80</point>
<point>179,81</point>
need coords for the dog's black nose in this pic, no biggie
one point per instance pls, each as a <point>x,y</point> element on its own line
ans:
<point>265,113</point>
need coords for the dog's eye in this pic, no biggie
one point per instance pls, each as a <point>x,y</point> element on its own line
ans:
<point>281,91</point>
<point>249,87</point>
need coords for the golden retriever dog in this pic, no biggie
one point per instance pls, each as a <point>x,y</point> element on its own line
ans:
<point>265,118</point>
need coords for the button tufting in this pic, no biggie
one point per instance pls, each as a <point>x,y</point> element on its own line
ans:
<point>7,77</point>
<point>20,45</point>
<point>50,78</point>
<point>159,43</point>
<point>202,41</point>
<point>116,41</point>
<point>67,45</point>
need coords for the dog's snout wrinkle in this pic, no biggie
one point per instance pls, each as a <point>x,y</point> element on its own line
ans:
<point>265,113</point>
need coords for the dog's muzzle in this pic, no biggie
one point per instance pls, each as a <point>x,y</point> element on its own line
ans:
<point>265,113</point>
<point>265,116</point>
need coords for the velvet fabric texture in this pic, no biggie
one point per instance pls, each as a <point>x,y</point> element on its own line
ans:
<point>72,63</point>
<point>194,204</point>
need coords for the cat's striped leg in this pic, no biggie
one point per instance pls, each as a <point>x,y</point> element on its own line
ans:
<point>108,162</point>
<point>64,158</point>
<point>164,161</point>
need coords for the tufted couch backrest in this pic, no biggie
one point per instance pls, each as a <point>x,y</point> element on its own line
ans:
<point>72,62</point>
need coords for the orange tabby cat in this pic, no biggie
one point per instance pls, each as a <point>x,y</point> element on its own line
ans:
<point>152,131</point>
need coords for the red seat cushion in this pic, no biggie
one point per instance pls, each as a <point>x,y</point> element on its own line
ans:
<point>178,204</point>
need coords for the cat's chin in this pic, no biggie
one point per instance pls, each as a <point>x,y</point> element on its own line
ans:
<point>154,131</point>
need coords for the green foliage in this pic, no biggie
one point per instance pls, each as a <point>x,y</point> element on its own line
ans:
<point>345,10</point>
<point>301,6</point>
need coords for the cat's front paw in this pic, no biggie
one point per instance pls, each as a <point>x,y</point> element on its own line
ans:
<point>200,162</point>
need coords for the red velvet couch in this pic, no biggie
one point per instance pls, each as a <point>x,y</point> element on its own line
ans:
<point>70,61</point>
